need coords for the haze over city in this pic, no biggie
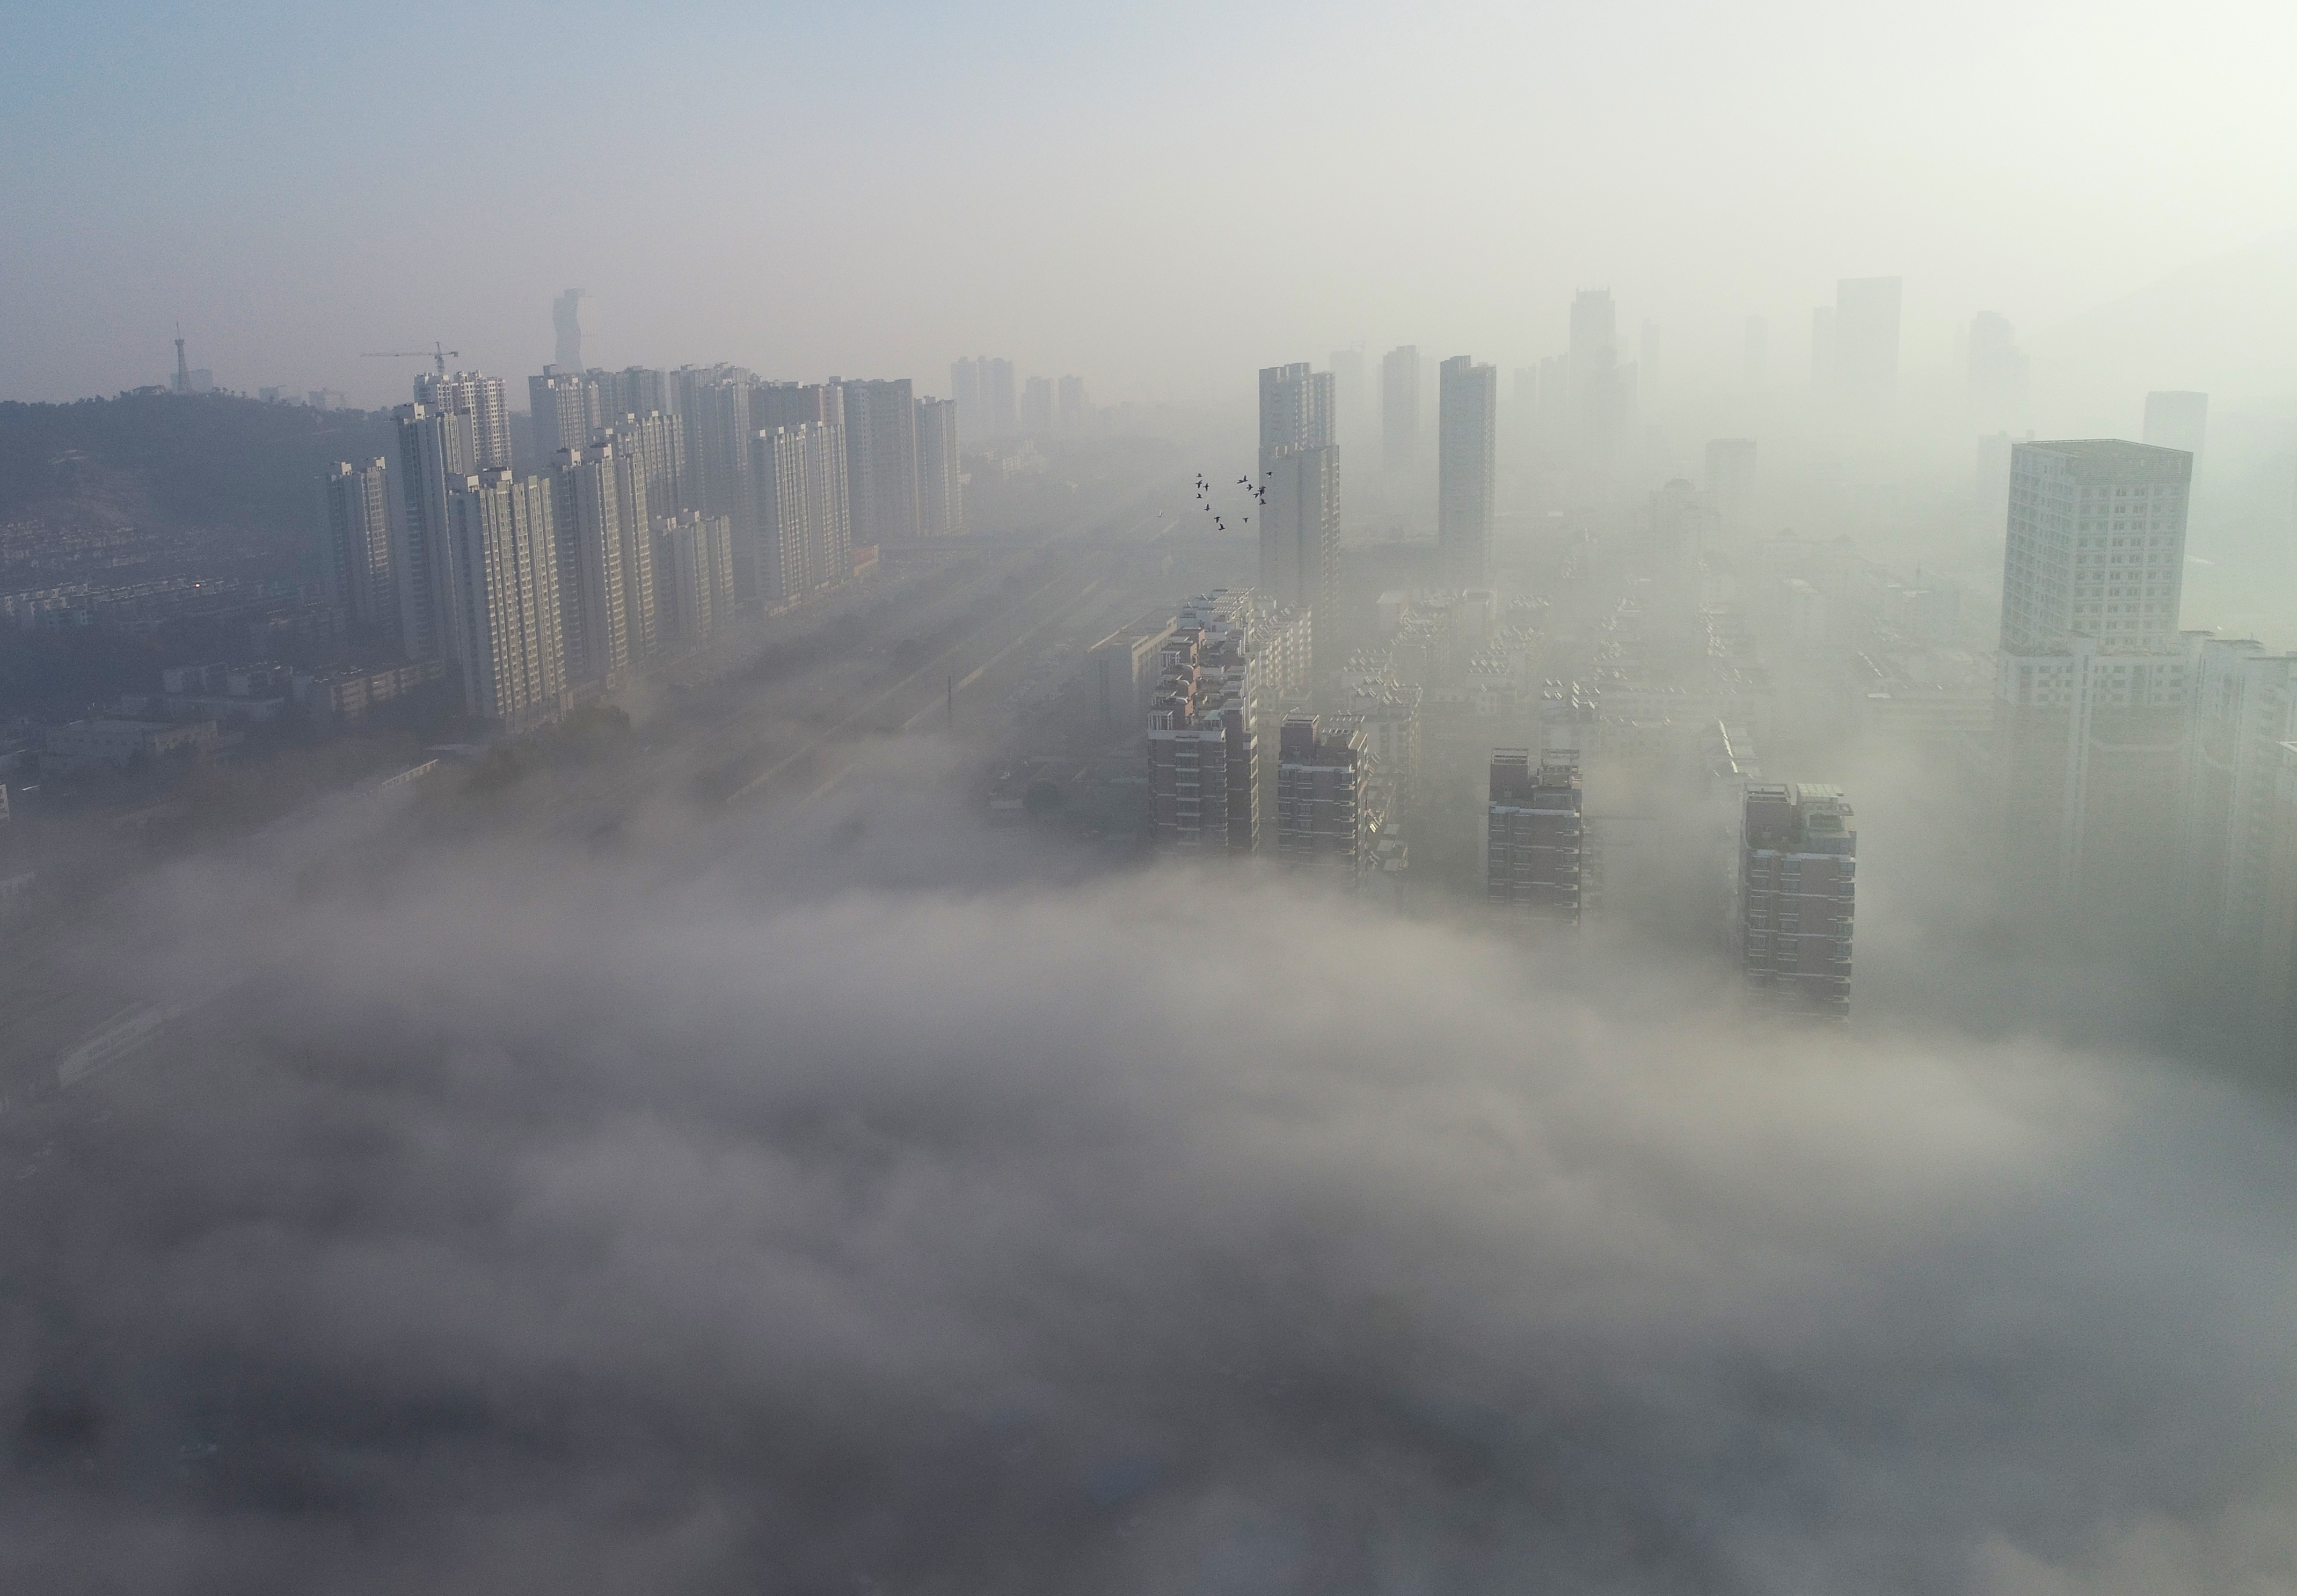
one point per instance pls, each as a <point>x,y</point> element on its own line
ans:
<point>1327,799</point>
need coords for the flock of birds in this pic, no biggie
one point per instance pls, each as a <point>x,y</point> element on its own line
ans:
<point>1257,493</point>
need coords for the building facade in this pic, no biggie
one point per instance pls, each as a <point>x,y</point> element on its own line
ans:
<point>1321,812</point>
<point>358,565</point>
<point>506,561</point>
<point>1466,445</point>
<point>940,469</point>
<point>1796,898</point>
<point>1533,837</point>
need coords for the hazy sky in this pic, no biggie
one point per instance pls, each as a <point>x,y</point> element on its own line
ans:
<point>1160,197</point>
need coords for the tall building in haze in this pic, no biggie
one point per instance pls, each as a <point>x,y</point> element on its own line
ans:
<point>1399,411</point>
<point>1299,461</point>
<point>982,388</point>
<point>566,324</point>
<point>506,585</point>
<point>1730,480</point>
<point>1866,336</point>
<point>881,460</point>
<point>1320,808</point>
<point>1797,900</point>
<point>567,406</point>
<point>1532,837</point>
<point>436,448</point>
<point>2090,676</point>
<point>940,469</point>
<point>1467,444</point>
<point>2175,420</point>
<point>357,562</point>
<point>479,397</point>
<point>586,520</point>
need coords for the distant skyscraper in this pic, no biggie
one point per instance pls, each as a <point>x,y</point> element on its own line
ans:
<point>1730,480</point>
<point>1755,359</point>
<point>1866,335</point>
<point>479,397</point>
<point>2090,678</point>
<point>435,448</point>
<point>1466,441</point>
<point>1299,461</point>
<point>1075,411</point>
<point>1037,406</point>
<point>1399,410</point>
<point>1348,397</point>
<point>2175,420</point>
<point>1320,812</point>
<point>357,562</point>
<point>881,460</point>
<point>982,388</point>
<point>1997,368</point>
<point>1532,836</point>
<point>566,322</point>
<point>1796,898</point>
<point>506,585</point>
<point>657,441</point>
<point>587,529</point>
<point>1300,530</point>
<point>941,493</point>
<point>1602,390</point>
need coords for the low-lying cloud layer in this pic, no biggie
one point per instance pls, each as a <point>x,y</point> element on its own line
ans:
<point>530,1222</point>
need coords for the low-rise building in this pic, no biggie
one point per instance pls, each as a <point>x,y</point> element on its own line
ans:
<point>81,744</point>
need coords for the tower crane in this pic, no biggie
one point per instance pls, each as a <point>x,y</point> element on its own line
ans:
<point>438,353</point>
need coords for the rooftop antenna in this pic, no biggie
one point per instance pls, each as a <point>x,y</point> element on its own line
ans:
<point>183,366</point>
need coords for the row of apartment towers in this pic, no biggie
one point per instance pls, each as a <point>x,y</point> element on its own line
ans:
<point>669,499</point>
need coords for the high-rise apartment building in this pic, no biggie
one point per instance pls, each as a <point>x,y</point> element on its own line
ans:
<point>633,390</point>
<point>479,397</point>
<point>1320,810</point>
<point>694,556</point>
<point>1796,898</point>
<point>2090,678</point>
<point>881,460</point>
<point>1603,389</point>
<point>436,448</point>
<point>1074,414</point>
<point>719,430</point>
<point>587,530</point>
<point>804,531</point>
<point>982,388</point>
<point>1866,336</point>
<point>358,565</point>
<point>1532,837</point>
<point>2177,420</point>
<point>940,469</point>
<point>1399,410</point>
<point>2240,716</point>
<point>1467,443</point>
<point>655,440</point>
<point>1300,469</point>
<point>567,407</point>
<point>1037,406</point>
<point>1215,668</point>
<point>506,587</point>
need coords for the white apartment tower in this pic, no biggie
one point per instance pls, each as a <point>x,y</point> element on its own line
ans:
<point>506,585</point>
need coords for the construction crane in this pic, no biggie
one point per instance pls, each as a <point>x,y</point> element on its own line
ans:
<point>438,353</point>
